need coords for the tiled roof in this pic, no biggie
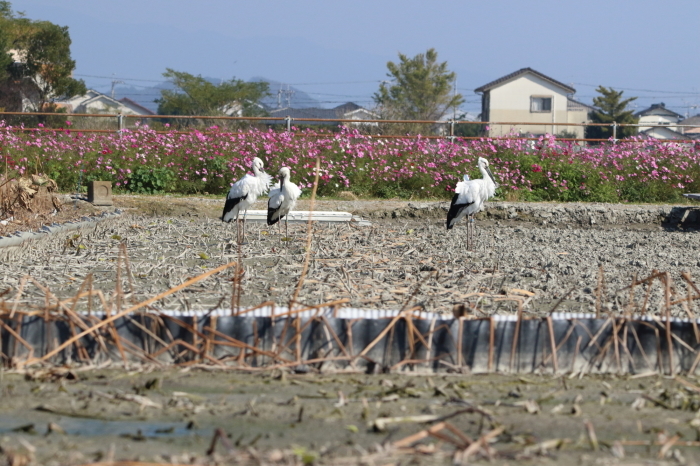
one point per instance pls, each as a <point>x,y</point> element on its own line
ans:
<point>671,133</point>
<point>660,106</point>
<point>520,72</point>
<point>143,109</point>
<point>693,120</point>
<point>572,104</point>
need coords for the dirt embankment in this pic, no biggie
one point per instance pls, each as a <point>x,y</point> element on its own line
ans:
<point>540,213</point>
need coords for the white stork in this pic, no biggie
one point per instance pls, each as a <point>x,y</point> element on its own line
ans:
<point>244,193</point>
<point>283,197</point>
<point>469,198</point>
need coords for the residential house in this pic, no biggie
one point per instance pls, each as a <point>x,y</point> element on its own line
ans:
<point>347,111</point>
<point>690,127</point>
<point>134,107</point>
<point>25,94</point>
<point>658,114</point>
<point>662,132</point>
<point>96,102</point>
<point>529,102</point>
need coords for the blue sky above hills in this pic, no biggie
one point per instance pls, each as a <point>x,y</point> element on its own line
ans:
<point>337,51</point>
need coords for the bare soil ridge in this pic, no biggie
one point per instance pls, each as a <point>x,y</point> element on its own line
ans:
<point>541,213</point>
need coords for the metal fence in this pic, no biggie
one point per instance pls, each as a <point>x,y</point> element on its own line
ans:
<point>431,129</point>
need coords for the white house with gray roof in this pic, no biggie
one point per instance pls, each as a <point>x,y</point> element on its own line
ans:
<point>96,102</point>
<point>658,114</point>
<point>529,102</point>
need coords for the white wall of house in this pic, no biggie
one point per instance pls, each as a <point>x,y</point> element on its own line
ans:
<point>517,101</point>
<point>130,109</point>
<point>360,114</point>
<point>658,116</point>
<point>663,133</point>
<point>577,113</point>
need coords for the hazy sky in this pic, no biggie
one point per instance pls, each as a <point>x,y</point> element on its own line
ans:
<point>337,51</point>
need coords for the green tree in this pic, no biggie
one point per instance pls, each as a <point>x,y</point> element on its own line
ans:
<point>194,95</point>
<point>5,40</point>
<point>43,71</point>
<point>611,108</point>
<point>468,130</point>
<point>421,89</point>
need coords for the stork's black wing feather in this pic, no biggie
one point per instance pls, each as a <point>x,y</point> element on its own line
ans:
<point>271,220</point>
<point>231,203</point>
<point>454,211</point>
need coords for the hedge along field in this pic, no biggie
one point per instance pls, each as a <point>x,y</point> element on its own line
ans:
<point>144,161</point>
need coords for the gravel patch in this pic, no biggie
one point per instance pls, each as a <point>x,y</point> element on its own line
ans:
<point>400,258</point>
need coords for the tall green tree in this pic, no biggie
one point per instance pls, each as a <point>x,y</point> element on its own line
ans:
<point>194,95</point>
<point>43,71</point>
<point>48,64</point>
<point>611,108</point>
<point>5,40</point>
<point>421,88</point>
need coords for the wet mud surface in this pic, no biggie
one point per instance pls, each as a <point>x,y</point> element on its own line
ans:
<point>171,416</point>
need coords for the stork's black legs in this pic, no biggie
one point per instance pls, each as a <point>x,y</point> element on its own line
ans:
<point>242,241</point>
<point>471,233</point>
<point>238,230</point>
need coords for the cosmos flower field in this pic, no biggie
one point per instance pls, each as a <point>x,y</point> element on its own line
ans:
<point>548,169</point>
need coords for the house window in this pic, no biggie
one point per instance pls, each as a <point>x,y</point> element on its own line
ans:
<point>540,104</point>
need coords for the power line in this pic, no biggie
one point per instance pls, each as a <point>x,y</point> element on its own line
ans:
<point>114,77</point>
<point>667,97</point>
<point>338,82</point>
<point>644,90</point>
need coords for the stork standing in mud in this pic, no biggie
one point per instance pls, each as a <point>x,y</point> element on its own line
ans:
<point>469,199</point>
<point>243,194</point>
<point>283,198</point>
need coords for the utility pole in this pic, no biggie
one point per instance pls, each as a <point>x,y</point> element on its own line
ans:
<point>454,96</point>
<point>285,94</point>
<point>115,81</point>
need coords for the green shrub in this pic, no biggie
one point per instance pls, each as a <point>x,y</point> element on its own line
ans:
<point>144,180</point>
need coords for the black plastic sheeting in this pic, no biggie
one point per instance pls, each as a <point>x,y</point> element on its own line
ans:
<point>482,345</point>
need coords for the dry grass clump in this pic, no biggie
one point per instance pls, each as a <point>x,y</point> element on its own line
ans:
<point>24,201</point>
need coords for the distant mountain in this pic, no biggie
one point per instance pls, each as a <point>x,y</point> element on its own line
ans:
<point>287,96</point>
<point>284,95</point>
<point>142,95</point>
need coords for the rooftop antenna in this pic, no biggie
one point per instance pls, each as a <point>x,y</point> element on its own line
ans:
<point>688,106</point>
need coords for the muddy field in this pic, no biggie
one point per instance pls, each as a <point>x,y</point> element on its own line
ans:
<point>85,415</point>
<point>74,417</point>
<point>399,259</point>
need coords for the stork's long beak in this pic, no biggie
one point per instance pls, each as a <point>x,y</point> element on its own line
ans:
<point>488,170</point>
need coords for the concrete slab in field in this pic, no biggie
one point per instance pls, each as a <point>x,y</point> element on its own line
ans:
<point>303,216</point>
<point>695,197</point>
